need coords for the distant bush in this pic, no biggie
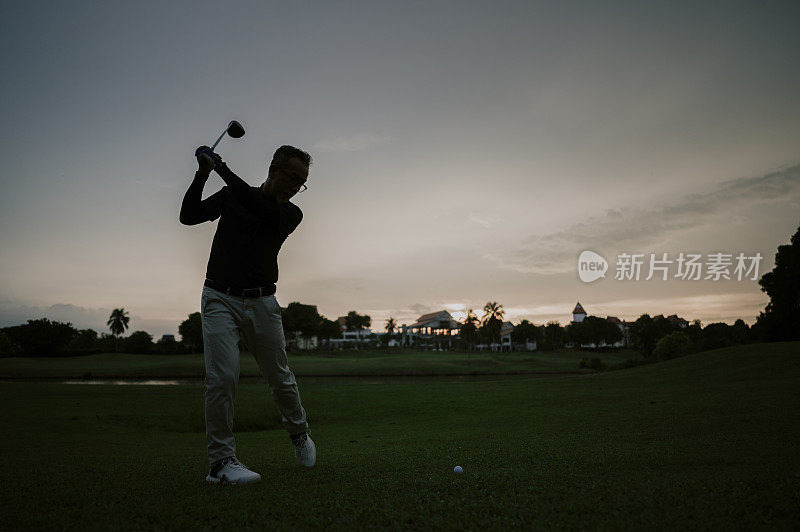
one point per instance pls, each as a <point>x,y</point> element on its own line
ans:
<point>191,331</point>
<point>7,347</point>
<point>85,341</point>
<point>592,363</point>
<point>138,342</point>
<point>169,346</point>
<point>107,342</point>
<point>707,344</point>
<point>673,345</point>
<point>41,337</point>
<point>599,349</point>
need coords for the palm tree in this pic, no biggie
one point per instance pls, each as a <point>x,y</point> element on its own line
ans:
<point>469,329</point>
<point>493,314</point>
<point>391,325</point>
<point>118,322</point>
<point>493,310</point>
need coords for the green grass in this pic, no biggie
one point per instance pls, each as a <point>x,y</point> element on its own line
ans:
<point>364,362</point>
<point>705,441</point>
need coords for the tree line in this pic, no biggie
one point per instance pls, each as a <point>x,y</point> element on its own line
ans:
<point>45,337</point>
<point>653,337</point>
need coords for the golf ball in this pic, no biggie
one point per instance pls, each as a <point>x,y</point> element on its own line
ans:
<point>458,470</point>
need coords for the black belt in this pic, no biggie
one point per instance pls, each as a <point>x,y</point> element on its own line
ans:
<point>259,291</point>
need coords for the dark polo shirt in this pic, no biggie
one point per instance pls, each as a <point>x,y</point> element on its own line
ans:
<point>251,229</point>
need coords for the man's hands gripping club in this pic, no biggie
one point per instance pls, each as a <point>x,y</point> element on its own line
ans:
<point>207,159</point>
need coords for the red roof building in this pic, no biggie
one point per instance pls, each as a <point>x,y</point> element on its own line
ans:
<point>436,321</point>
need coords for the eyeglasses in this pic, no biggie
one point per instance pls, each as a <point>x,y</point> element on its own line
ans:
<point>303,186</point>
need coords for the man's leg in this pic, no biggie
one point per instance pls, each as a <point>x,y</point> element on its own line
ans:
<point>262,330</point>
<point>220,317</point>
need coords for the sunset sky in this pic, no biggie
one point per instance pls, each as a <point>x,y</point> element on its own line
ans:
<point>464,152</point>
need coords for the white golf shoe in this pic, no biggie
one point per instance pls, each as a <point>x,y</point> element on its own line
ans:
<point>231,471</point>
<point>305,451</point>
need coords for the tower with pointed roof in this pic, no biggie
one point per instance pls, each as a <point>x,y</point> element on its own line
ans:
<point>578,313</point>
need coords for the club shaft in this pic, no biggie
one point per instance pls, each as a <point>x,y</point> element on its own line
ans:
<point>219,139</point>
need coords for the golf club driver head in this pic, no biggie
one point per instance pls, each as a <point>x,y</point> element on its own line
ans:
<point>234,129</point>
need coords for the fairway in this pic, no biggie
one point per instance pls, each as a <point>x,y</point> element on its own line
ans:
<point>352,362</point>
<point>705,441</point>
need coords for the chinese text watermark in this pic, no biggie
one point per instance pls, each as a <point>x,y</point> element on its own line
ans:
<point>684,266</point>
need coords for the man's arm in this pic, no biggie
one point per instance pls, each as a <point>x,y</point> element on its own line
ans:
<point>290,220</point>
<point>194,211</point>
<point>251,198</point>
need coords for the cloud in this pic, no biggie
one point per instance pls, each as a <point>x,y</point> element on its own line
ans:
<point>338,286</point>
<point>12,313</point>
<point>420,309</point>
<point>632,227</point>
<point>17,313</point>
<point>357,142</point>
<point>455,307</point>
<point>485,219</point>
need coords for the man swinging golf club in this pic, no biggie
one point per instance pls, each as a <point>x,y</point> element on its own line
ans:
<point>238,298</point>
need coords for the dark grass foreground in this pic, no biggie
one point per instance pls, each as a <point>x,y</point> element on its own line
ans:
<point>708,441</point>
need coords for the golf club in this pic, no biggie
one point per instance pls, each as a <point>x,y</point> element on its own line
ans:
<point>234,129</point>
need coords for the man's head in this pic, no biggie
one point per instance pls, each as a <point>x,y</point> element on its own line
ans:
<point>288,172</point>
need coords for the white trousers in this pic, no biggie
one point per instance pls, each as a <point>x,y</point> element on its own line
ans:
<point>257,321</point>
